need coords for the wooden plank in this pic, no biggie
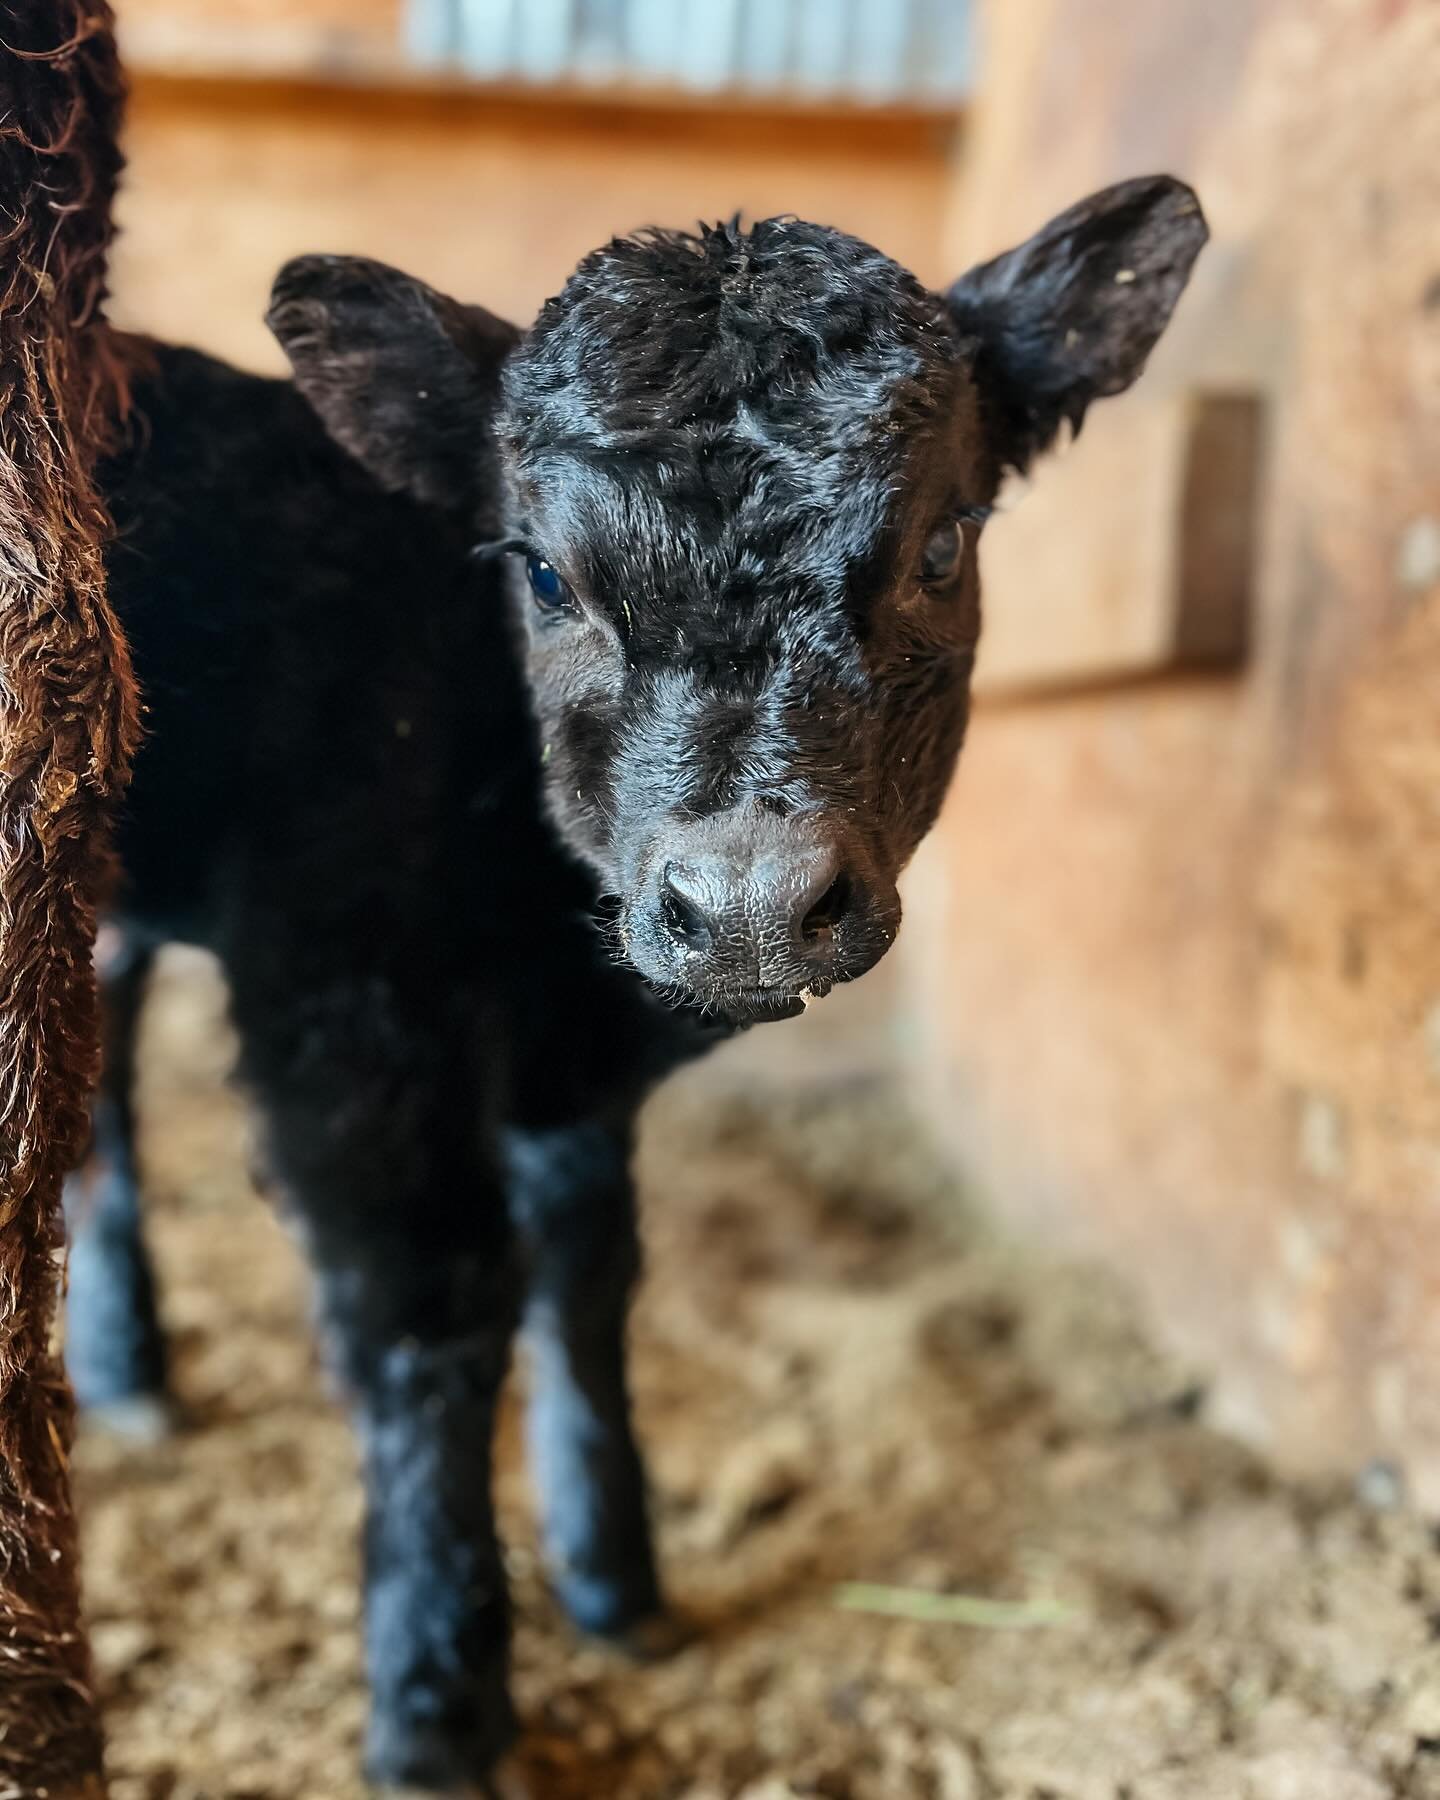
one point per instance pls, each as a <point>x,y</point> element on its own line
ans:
<point>1130,552</point>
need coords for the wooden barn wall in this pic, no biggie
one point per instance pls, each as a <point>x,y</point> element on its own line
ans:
<point>257,132</point>
<point>1175,949</point>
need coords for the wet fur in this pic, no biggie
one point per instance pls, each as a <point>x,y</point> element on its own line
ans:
<point>67,724</point>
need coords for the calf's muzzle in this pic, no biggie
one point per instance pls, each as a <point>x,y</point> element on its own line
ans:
<point>755,913</point>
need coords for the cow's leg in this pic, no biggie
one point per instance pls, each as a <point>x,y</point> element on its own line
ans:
<point>572,1197</point>
<point>420,1319</point>
<point>114,1347</point>
<point>372,1132</point>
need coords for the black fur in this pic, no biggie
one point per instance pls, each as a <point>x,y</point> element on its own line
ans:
<point>479,873</point>
<point>1072,314</point>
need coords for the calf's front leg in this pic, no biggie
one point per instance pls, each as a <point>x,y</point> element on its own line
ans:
<point>421,1329</point>
<point>405,1221</point>
<point>573,1201</point>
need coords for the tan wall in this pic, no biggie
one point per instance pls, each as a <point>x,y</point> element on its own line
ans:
<point>1177,942</point>
<point>341,37</point>
<point>492,197</point>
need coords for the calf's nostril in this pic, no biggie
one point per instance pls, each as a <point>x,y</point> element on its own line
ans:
<point>827,911</point>
<point>683,918</point>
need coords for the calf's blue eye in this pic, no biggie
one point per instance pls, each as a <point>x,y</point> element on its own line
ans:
<point>547,584</point>
<point>943,552</point>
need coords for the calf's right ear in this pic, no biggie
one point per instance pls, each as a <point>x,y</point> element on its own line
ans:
<point>402,377</point>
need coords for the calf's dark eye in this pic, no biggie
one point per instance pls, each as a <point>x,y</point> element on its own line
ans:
<point>944,550</point>
<point>548,585</point>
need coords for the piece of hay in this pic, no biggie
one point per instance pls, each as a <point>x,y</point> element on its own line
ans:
<point>928,1608</point>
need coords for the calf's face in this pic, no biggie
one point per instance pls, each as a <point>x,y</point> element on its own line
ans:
<point>740,478</point>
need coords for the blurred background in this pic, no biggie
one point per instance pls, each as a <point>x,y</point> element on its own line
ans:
<point>1168,994</point>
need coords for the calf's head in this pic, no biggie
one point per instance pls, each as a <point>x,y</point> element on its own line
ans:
<point>741,475</point>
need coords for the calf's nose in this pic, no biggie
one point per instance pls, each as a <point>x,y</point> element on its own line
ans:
<point>775,910</point>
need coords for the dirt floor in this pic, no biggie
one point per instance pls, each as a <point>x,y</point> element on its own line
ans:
<point>842,1377</point>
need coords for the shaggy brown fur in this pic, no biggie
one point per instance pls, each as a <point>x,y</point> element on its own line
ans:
<point>67,726</point>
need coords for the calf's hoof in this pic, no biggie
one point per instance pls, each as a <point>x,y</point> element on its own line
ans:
<point>137,1418</point>
<point>506,1781</point>
<point>653,1638</point>
<point>611,1607</point>
<point>458,1759</point>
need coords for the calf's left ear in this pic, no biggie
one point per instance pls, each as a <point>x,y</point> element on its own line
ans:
<point>402,377</point>
<point>1073,313</point>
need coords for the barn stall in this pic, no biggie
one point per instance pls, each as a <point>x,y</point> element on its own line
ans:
<point>1035,1357</point>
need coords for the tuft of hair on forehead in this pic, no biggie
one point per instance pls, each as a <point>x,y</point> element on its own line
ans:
<point>784,329</point>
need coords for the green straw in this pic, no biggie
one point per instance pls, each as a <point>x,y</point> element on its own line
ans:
<point>951,1609</point>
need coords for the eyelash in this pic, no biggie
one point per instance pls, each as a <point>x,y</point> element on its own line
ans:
<point>491,549</point>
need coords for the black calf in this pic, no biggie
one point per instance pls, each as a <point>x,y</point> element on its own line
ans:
<point>450,821</point>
